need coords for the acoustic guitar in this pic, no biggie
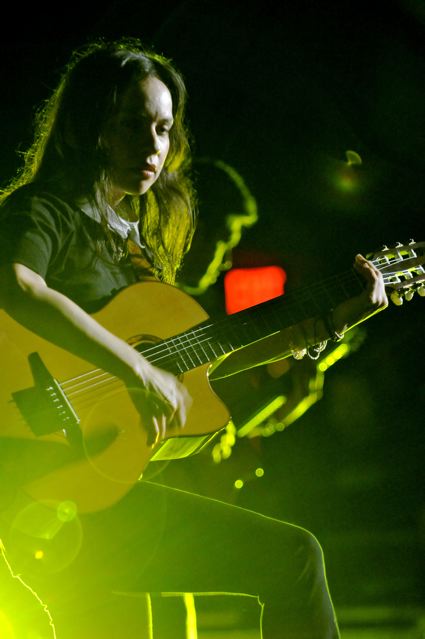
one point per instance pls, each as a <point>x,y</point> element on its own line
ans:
<point>72,434</point>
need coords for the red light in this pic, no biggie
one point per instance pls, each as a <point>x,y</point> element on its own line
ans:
<point>245,287</point>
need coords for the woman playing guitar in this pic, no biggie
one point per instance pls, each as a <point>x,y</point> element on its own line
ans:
<point>105,198</point>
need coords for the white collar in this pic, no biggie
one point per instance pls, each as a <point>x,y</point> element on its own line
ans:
<point>120,225</point>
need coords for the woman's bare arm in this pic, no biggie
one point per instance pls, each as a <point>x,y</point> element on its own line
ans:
<point>25,296</point>
<point>295,338</point>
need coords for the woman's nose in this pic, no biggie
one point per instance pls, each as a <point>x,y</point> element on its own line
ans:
<point>151,142</point>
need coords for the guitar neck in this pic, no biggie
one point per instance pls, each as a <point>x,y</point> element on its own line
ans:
<point>211,339</point>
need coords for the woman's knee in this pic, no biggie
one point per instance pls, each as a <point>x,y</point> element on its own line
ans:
<point>309,548</point>
<point>299,558</point>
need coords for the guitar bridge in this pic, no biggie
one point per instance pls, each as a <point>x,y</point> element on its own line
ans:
<point>44,406</point>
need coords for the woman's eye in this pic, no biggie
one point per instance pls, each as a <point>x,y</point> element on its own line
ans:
<point>163,130</point>
<point>135,125</point>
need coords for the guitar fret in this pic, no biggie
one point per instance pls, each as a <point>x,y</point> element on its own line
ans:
<point>213,350</point>
<point>196,353</point>
<point>203,358</point>
<point>184,354</point>
<point>223,348</point>
<point>195,350</point>
<point>172,360</point>
<point>151,353</point>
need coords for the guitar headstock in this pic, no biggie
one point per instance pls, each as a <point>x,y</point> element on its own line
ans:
<point>403,269</point>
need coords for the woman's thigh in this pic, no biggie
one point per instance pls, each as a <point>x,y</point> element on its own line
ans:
<point>160,539</point>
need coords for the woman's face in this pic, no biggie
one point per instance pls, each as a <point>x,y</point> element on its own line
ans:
<point>137,139</point>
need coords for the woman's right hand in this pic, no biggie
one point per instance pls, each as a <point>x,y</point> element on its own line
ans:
<point>160,398</point>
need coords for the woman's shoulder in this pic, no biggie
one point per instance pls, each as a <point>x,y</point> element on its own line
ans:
<point>35,192</point>
<point>40,201</point>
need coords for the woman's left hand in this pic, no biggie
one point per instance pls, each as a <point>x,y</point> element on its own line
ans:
<point>370,301</point>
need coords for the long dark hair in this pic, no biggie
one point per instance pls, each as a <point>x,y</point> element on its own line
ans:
<point>67,152</point>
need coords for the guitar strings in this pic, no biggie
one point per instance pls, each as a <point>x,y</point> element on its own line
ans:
<point>104,378</point>
<point>90,382</point>
<point>98,378</point>
<point>189,339</point>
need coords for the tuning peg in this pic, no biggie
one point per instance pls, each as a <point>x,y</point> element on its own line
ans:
<point>421,290</point>
<point>384,247</point>
<point>409,294</point>
<point>396,298</point>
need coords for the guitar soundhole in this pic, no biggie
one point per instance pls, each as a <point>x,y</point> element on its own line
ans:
<point>139,342</point>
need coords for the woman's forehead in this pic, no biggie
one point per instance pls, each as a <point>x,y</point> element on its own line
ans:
<point>145,95</point>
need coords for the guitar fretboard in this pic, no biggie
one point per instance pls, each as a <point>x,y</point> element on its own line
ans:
<point>209,340</point>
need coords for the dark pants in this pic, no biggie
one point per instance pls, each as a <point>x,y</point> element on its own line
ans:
<point>159,539</point>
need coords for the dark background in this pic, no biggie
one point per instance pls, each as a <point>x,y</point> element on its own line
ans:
<point>281,91</point>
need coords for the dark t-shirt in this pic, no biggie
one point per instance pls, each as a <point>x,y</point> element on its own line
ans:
<point>58,241</point>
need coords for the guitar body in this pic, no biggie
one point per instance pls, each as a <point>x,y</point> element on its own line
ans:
<point>113,453</point>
